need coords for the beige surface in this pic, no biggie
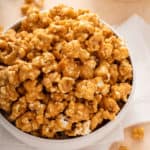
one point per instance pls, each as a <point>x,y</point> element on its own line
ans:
<point>112,11</point>
<point>133,144</point>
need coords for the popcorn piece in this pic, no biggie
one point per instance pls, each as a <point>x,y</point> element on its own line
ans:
<point>95,42</point>
<point>54,108</point>
<point>125,70</point>
<point>49,80</point>
<point>137,133</point>
<point>69,68</point>
<point>113,73</point>
<point>96,120</point>
<point>85,89</point>
<point>30,5</point>
<point>102,87</point>
<point>110,105</point>
<point>80,129</point>
<point>87,70</point>
<point>48,129</point>
<point>28,71</point>
<point>39,108</point>
<point>77,112</point>
<point>103,71</point>
<point>123,147</point>
<point>120,91</point>
<point>8,92</point>
<point>120,54</point>
<point>18,108</point>
<point>73,49</point>
<point>66,84</point>
<point>27,122</point>
<point>106,51</point>
<point>33,90</point>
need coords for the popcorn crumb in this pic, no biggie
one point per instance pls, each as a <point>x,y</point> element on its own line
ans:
<point>137,133</point>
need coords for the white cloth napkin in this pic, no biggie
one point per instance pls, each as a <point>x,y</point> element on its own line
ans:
<point>137,35</point>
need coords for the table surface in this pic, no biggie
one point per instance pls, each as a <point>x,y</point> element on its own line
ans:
<point>112,11</point>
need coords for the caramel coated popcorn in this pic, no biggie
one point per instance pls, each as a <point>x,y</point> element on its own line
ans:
<point>123,147</point>
<point>137,133</point>
<point>63,73</point>
<point>31,5</point>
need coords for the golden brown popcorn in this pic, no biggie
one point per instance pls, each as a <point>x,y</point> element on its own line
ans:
<point>102,87</point>
<point>110,104</point>
<point>54,108</point>
<point>28,71</point>
<point>63,122</point>
<point>3,44</point>
<point>30,5</point>
<point>114,73</point>
<point>115,41</point>
<point>120,54</point>
<point>73,49</point>
<point>69,68</point>
<point>90,17</point>
<point>96,120</point>
<point>95,42</point>
<point>33,91</point>
<point>85,89</point>
<point>5,105</point>
<point>108,115</point>
<point>106,51</point>
<point>46,62</point>
<point>12,75</point>
<point>77,112</point>
<point>94,104</point>
<point>1,28</point>
<point>39,108</point>
<point>120,91</point>
<point>87,69</point>
<point>107,32</point>
<point>80,129</point>
<point>3,76</point>
<point>123,147</point>
<point>125,70</point>
<point>48,129</point>
<point>42,40</point>
<point>8,92</point>
<point>62,72</point>
<point>9,57</point>
<point>137,133</point>
<point>103,71</point>
<point>27,122</point>
<point>50,80</point>
<point>18,108</point>
<point>62,11</point>
<point>83,26</point>
<point>65,85</point>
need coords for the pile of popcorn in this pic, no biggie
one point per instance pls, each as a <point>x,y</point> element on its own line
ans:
<point>63,73</point>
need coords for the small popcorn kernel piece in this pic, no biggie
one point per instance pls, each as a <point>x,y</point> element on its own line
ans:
<point>123,147</point>
<point>137,133</point>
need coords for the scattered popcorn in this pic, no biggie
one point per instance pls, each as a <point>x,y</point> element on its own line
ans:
<point>137,133</point>
<point>123,147</point>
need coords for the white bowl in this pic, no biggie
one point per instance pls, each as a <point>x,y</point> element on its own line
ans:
<point>75,143</point>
